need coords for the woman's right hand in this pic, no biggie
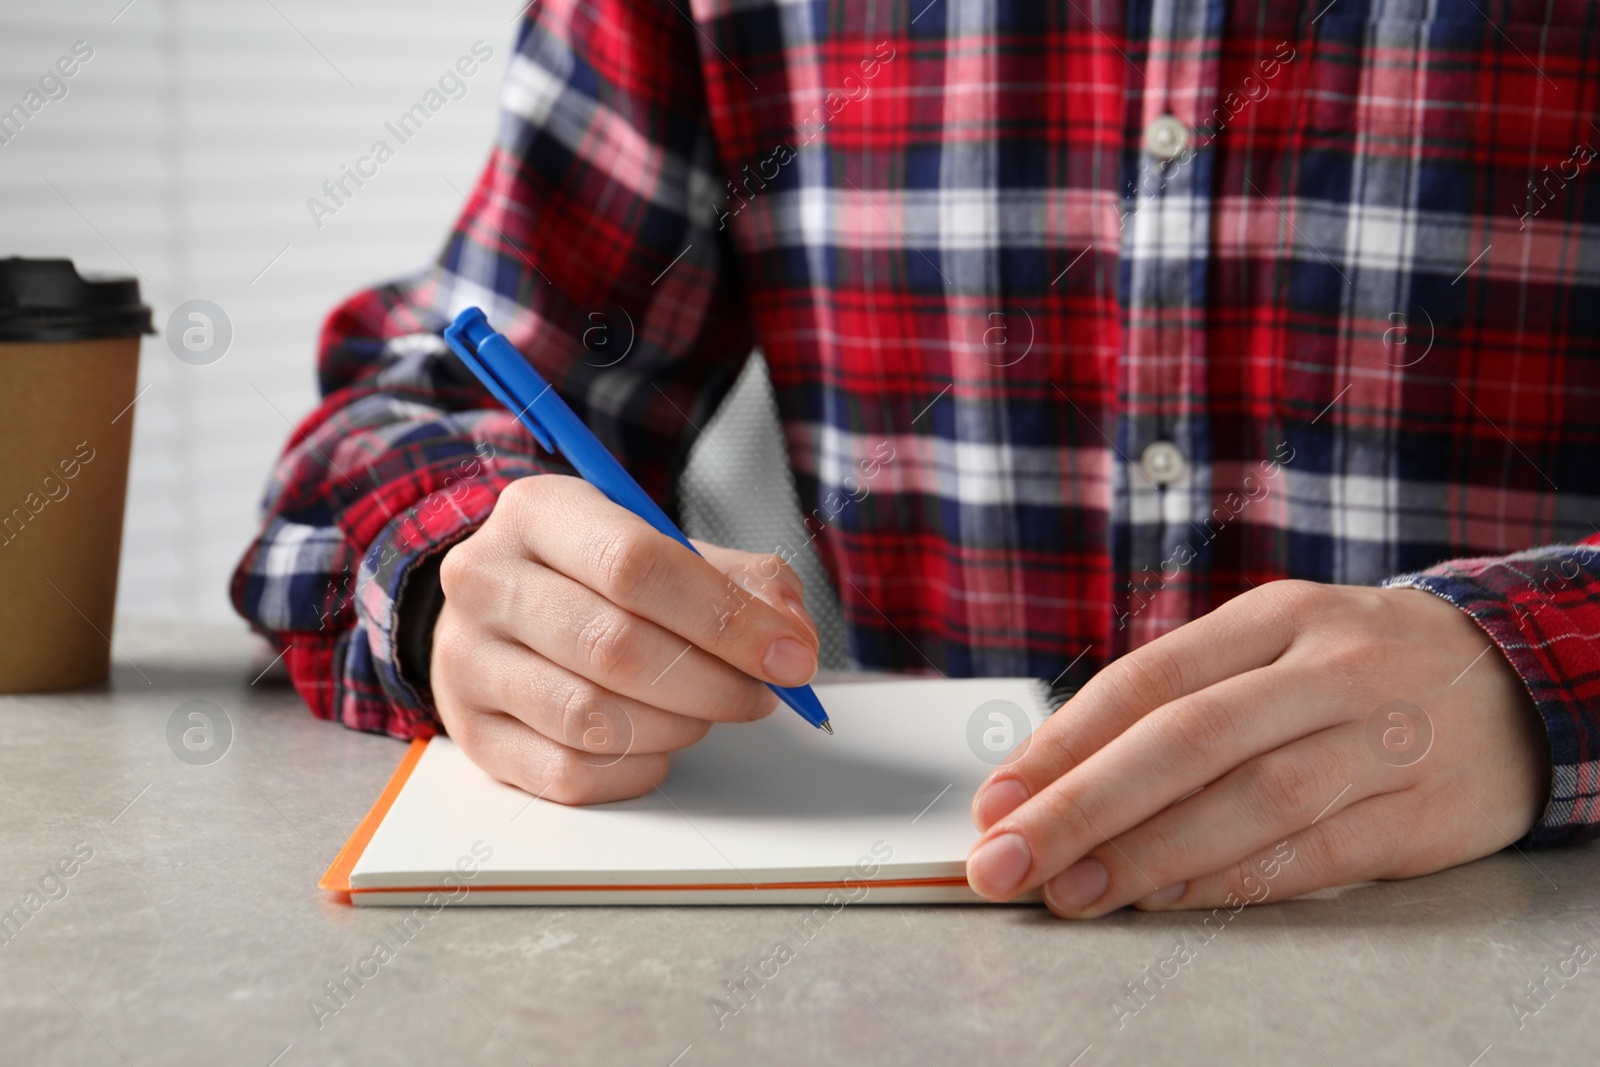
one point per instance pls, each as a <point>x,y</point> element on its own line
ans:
<point>577,646</point>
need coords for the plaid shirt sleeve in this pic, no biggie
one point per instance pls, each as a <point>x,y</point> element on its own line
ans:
<point>591,242</point>
<point>401,459</point>
<point>1542,609</point>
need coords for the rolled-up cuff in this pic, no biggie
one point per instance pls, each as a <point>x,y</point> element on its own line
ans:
<point>1542,609</point>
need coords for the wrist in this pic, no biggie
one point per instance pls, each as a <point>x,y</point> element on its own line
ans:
<point>416,612</point>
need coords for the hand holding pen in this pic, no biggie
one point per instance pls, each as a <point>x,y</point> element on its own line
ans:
<point>579,644</point>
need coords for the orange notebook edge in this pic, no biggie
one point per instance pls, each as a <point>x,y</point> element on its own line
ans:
<point>337,877</point>
<point>889,883</point>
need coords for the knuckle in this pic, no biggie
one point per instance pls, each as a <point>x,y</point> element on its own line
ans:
<point>1298,592</point>
<point>1067,822</point>
<point>1149,677</point>
<point>624,561</point>
<point>1285,785</point>
<point>1082,823</point>
<point>567,778</point>
<point>517,497</point>
<point>1051,750</point>
<point>577,702</point>
<point>1247,881</point>
<point>774,566</point>
<point>1157,848</point>
<point>456,567</point>
<point>1297,599</point>
<point>1241,883</point>
<point>742,575</point>
<point>1200,728</point>
<point>1357,654</point>
<point>1344,653</point>
<point>605,727</point>
<point>1333,846</point>
<point>571,778</point>
<point>606,642</point>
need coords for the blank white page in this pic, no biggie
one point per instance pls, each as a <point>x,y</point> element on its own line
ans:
<point>754,803</point>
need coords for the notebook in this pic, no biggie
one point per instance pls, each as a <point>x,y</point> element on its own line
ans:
<point>771,812</point>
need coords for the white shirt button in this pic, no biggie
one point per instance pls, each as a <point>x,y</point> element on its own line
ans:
<point>1163,463</point>
<point>1165,137</point>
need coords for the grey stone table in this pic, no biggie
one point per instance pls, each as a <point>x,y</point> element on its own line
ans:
<point>193,933</point>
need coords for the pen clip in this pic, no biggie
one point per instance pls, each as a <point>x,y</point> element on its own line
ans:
<point>482,349</point>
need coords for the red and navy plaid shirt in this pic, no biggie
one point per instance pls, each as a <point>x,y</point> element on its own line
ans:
<point>1082,319</point>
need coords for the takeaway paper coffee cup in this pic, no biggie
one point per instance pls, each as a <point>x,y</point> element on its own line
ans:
<point>69,359</point>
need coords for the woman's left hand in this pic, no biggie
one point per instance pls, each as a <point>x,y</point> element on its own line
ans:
<point>1301,736</point>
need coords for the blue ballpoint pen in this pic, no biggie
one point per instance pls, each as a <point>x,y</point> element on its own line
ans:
<point>514,382</point>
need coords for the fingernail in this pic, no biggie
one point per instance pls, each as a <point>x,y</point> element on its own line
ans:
<point>1164,896</point>
<point>789,663</point>
<point>1078,886</point>
<point>998,799</point>
<point>999,865</point>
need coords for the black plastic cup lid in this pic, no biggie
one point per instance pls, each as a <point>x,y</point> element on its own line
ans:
<point>48,300</point>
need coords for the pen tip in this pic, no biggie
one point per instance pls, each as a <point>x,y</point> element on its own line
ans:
<point>828,727</point>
